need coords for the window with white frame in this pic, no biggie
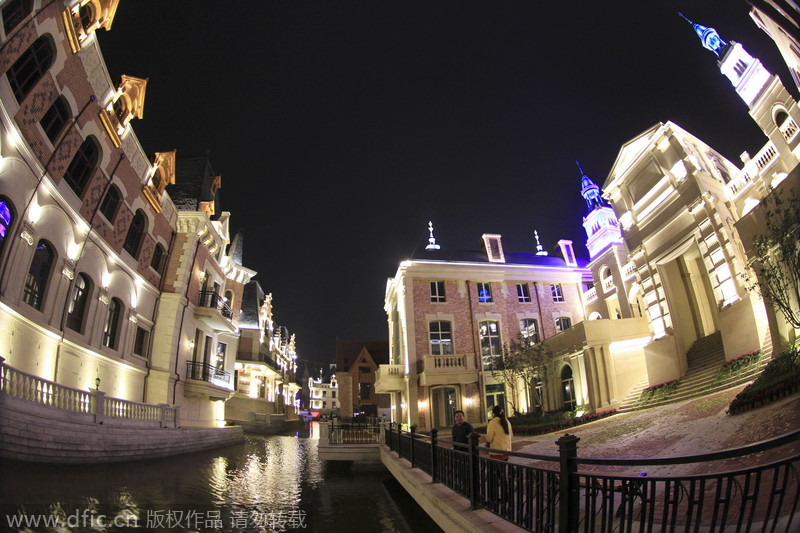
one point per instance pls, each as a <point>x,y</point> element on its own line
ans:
<point>491,346</point>
<point>437,291</point>
<point>529,330</point>
<point>523,293</point>
<point>558,294</point>
<point>441,338</point>
<point>484,293</point>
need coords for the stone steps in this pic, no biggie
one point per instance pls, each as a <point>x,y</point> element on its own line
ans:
<point>705,357</point>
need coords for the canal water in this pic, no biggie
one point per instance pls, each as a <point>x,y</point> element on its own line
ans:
<point>269,483</point>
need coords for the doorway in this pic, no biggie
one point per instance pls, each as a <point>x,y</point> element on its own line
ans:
<point>443,406</point>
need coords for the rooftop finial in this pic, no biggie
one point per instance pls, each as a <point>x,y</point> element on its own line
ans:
<point>431,240</point>
<point>589,190</point>
<point>539,248</point>
<point>709,37</point>
<point>579,167</point>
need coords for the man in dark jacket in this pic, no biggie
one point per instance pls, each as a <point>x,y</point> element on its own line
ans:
<point>461,429</point>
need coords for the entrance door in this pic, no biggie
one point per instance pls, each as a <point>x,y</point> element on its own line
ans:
<point>444,406</point>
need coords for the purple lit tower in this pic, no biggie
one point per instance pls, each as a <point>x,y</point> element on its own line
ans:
<point>601,224</point>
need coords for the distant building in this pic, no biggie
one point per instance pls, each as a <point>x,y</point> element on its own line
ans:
<point>356,364</point>
<point>266,362</point>
<point>323,392</point>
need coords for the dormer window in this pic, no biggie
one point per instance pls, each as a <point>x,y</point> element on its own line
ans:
<point>85,17</point>
<point>163,174</point>
<point>493,247</point>
<point>127,104</point>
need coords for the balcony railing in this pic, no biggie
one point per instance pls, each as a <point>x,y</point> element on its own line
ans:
<point>449,363</point>
<point>389,378</point>
<point>215,301</point>
<point>207,372</point>
<point>608,284</point>
<point>590,295</point>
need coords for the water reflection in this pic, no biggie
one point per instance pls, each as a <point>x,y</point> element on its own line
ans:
<point>248,487</point>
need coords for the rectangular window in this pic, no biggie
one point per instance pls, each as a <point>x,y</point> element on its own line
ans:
<point>324,394</point>
<point>441,338</point>
<point>364,369</point>
<point>529,330</point>
<point>140,342</point>
<point>523,293</point>
<point>364,390</point>
<point>558,295</point>
<point>563,323</point>
<point>437,291</point>
<point>484,293</point>
<point>333,394</point>
<point>491,347</point>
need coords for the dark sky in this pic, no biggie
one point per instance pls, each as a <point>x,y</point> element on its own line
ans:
<point>340,127</point>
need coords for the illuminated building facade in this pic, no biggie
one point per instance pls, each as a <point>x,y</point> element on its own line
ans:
<point>266,363</point>
<point>449,315</point>
<point>115,272</point>
<point>323,393</point>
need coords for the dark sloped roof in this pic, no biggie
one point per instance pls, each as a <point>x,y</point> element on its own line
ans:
<point>252,297</point>
<point>192,182</point>
<point>349,349</point>
<point>236,248</point>
<point>480,257</point>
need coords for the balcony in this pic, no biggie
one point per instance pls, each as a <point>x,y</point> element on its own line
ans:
<point>389,378</point>
<point>259,359</point>
<point>590,295</point>
<point>207,380</point>
<point>214,312</point>
<point>448,370</point>
<point>608,284</point>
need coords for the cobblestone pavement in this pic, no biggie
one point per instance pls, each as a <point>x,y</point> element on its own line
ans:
<point>691,427</point>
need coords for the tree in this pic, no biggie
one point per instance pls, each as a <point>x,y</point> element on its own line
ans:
<point>777,256</point>
<point>526,362</point>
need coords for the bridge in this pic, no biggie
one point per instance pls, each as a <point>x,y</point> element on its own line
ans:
<point>461,487</point>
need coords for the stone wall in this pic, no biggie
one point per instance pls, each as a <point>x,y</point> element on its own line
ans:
<point>37,433</point>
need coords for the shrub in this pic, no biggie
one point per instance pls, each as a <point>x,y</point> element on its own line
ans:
<point>781,375</point>
<point>656,392</point>
<point>736,366</point>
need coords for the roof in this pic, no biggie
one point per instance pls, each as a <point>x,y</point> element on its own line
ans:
<point>458,256</point>
<point>193,178</point>
<point>348,350</point>
<point>252,298</point>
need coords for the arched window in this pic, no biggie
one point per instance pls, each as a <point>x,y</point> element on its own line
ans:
<point>82,166</point>
<point>38,274</point>
<point>78,302</point>
<point>55,119</point>
<point>563,323</point>
<point>111,329</point>
<point>229,298</point>
<point>441,338</point>
<point>87,16</point>
<point>780,117</point>
<point>568,388</point>
<point>491,346</point>
<point>133,239</point>
<point>6,218</point>
<point>110,203</point>
<point>14,11</point>
<point>158,258</point>
<point>31,66</point>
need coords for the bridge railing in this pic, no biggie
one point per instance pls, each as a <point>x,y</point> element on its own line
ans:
<point>353,433</point>
<point>558,493</point>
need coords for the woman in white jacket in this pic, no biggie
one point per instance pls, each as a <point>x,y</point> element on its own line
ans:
<point>499,433</point>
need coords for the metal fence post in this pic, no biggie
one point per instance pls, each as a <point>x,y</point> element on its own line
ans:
<point>412,429</point>
<point>389,439</point>
<point>434,434</point>
<point>569,505</point>
<point>474,478</point>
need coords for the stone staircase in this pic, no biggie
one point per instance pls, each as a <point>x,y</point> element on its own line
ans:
<point>705,356</point>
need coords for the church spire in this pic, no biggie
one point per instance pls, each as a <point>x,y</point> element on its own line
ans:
<point>709,37</point>
<point>589,190</point>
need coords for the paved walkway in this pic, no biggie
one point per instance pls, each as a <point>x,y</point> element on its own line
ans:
<point>691,427</point>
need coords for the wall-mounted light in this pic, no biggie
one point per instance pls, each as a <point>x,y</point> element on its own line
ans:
<point>191,345</point>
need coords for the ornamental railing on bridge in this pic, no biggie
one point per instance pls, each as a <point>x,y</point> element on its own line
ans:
<point>558,494</point>
<point>366,430</point>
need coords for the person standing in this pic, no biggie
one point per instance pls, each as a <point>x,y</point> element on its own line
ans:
<point>461,429</point>
<point>499,433</point>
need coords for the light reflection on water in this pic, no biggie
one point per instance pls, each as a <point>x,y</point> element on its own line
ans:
<point>276,474</point>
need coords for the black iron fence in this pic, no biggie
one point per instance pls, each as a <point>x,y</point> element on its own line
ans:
<point>215,301</point>
<point>350,432</point>
<point>622,499</point>
<point>207,372</point>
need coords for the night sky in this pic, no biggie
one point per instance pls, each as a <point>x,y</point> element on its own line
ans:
<point>341,127</point>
